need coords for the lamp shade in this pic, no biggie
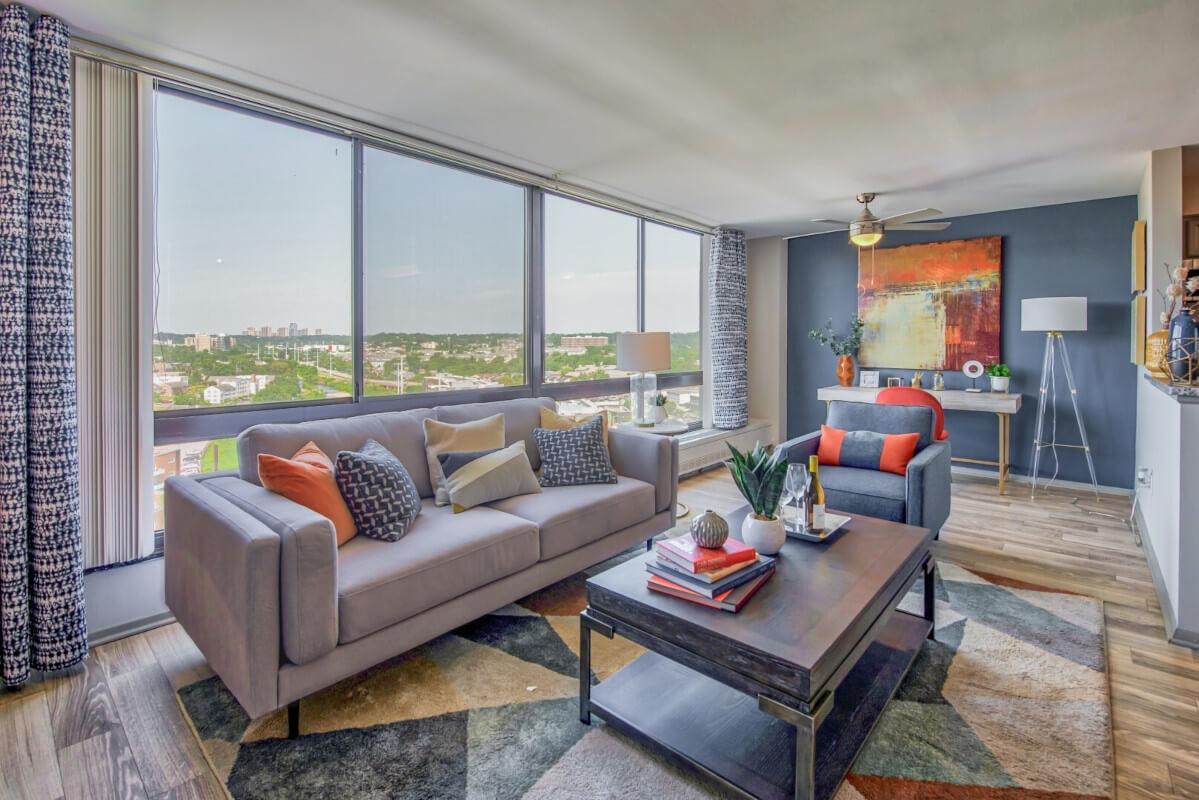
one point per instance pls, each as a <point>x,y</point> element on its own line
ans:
<point>643,352</point>
<point>1053,314</point>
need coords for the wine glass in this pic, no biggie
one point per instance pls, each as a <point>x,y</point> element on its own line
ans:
<point>795,486</point>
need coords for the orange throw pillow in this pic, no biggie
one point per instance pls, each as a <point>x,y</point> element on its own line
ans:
<point>312,486</point>
<point>887,452</point>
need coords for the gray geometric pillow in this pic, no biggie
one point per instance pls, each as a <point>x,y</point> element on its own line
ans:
<point>380,493</point>
<point>574,456</point>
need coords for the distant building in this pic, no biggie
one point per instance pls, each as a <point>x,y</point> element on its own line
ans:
<point>428,345</point>
<point>250,331</point>
<point>265,331</point>
<point>220,393</point>
<point>303,332</point>
<point>170,380</point>
<point>583,342</point>
<point>202,342</point>
<point>231,387</point>
<point>281,332</point>
<point>317,332</point>
<point>293,329</point>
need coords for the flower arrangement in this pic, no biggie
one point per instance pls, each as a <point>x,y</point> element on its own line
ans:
<point>840,345</point>
<point>1181,289</point>
<point>660,400</point>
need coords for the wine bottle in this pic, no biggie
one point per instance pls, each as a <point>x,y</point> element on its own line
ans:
<point>815,504</point>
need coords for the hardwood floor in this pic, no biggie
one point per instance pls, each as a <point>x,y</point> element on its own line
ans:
<point>111,727</point>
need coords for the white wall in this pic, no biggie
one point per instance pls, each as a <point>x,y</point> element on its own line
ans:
<point>1171,532</point>
<point>767,266</point>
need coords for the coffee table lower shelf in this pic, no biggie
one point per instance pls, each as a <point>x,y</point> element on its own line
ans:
<point>720,733</point>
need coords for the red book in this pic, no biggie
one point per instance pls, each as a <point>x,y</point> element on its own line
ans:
<point>732,600</point>
<point>687,554</point>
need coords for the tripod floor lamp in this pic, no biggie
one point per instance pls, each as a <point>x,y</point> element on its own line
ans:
<point>1055,315</point>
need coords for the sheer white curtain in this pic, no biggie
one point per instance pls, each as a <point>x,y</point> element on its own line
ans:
<point>115,417</point>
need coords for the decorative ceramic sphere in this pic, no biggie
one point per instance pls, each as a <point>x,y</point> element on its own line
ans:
<point>709,529</point>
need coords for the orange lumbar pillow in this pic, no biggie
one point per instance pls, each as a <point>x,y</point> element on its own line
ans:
<point>887,452</point>
<point>305,480</point>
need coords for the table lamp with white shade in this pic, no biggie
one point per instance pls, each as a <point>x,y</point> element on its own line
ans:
<point>644,354</point>
<point>1055,315</point>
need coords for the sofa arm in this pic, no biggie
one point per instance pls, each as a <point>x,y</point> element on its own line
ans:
<point>648,457</point>
<point>222,584</point>
<point>307,566</point>
<point>799,449</point>
<point>928,492</point>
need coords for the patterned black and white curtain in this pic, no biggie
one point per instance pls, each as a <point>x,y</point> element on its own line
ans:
<point>728,329</point>
<point>41,570</point>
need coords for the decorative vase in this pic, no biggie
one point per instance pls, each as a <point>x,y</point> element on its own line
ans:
<point>767,536</point>
<point>1182,351</point>
<point>657,414</point>
<point>999,383</point>
<point>844,371</point>
<point>1155,354</point>
<point>709,529</point>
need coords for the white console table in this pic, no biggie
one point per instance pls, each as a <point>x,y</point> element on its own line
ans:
<point>1001,404</point>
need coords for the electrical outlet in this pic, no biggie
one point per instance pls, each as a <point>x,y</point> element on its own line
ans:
<point>1144,477</point>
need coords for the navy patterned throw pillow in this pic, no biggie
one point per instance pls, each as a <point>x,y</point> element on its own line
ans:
<point>378,490</point>
<point>574,456</point>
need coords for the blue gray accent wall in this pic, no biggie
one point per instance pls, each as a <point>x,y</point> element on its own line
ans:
<point>1069,249</point>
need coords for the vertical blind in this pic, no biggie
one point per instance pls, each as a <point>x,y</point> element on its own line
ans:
<point>115,448</point>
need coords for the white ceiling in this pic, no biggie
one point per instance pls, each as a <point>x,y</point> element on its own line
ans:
<point>754,113</point>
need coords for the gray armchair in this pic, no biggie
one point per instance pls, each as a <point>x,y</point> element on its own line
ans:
<point>921,497</point>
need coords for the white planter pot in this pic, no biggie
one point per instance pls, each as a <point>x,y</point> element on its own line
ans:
<point>767,536</point>
<point>657,414</point>
<point>999,384</point>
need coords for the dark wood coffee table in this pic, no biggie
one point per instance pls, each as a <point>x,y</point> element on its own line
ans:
<point>776,700</point>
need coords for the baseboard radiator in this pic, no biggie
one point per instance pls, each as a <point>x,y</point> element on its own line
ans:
<point>708,448</point>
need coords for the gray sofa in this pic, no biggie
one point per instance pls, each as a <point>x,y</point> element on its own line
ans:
<point>280,612</point>
<point>921,497</point>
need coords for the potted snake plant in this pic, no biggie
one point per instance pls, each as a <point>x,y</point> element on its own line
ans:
<point>1000,375</point>
<point>759,475</point>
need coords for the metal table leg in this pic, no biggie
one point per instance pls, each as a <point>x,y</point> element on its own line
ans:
<point>930,596</point>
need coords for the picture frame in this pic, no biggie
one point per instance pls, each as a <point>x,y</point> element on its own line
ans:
<point>894,381</point>
<point>1138,330</point>
<point>869,379</point>
<point>1190,236</point>
<point>1138,256</point>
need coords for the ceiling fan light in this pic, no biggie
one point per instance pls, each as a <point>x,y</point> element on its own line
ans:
<point>865,234</point>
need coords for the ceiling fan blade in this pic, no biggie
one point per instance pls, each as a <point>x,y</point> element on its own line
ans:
<point>841,222</point>
<point>917,226</point>
<point>912,216</point>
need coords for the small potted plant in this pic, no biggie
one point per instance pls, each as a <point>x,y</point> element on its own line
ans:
<point>658,413</point>
<point>1000,375</point>
<point>759,475</point>
<point>844,347</point>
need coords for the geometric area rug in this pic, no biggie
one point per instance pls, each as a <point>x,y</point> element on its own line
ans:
<point>1010,702</point>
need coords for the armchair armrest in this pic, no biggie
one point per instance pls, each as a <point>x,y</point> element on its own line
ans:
<point>648,457</point>
<point>222,584</point>
<point>799,449</point>
<point>928,492</point>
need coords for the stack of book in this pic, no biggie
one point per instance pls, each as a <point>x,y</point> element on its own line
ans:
<point>723,578</point>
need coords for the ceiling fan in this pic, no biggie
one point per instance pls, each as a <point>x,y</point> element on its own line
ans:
<point>866,230</point>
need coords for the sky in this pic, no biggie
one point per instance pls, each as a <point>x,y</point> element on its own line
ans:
<point>254,228</point>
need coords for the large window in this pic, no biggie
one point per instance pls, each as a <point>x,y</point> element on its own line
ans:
<point>590,288</point>
<point>444,264</point>
<point>294,265</point>
<point>253,294</point>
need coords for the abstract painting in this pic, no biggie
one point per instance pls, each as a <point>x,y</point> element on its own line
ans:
<point>930,306</point>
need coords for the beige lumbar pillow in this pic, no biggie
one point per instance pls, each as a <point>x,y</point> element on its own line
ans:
<point>448,437</point>
<point>491,476</point>
<point>552,420</point>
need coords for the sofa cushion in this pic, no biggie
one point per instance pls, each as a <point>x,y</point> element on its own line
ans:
<point>490,476</point>
<point>399,431</point>
<point>865,491</point>
<point>889,452</point>
<point>378,490</point>
<point>569,517</point>
<point>575,456</point>
<point>521,416</point>
<point>311,486</point>
<point>850,416</point>
<point>450,437</point>
<point>444,555</point>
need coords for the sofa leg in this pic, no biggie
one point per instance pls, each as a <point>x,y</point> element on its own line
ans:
<point>293,719</point>
<point>649,545</point>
